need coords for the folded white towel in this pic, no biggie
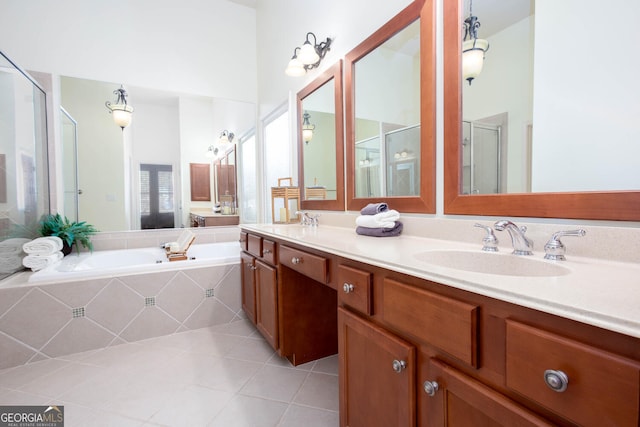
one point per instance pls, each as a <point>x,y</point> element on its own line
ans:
<point>11,263</point>
<point>386,219</point>
<point>43,245</point>
<point>38,262</point>
<point>12,246</point>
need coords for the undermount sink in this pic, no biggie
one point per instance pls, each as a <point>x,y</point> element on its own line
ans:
<point>493,263</point>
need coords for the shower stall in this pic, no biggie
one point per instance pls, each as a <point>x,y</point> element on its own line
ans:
<point>481,158</point>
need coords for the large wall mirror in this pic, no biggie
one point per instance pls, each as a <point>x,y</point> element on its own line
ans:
<point>389,88</point>
<point>545,129</point>
<point>321,142</point>
<point>129,177</point>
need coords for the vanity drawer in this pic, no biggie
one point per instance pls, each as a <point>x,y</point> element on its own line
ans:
<point>310,265</point>
<point>601,389</point>
<point>254,245</point>
<point>354,288</point>
<point>243,240</point>
<point>440,321</point>
<point>269,251</point>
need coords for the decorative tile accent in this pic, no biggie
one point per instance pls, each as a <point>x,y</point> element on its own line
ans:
<point>58,319</point>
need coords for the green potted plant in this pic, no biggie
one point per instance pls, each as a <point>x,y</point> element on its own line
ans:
<point>69,232</point>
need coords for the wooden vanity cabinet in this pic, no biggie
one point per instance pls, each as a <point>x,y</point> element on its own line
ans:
<point>377,375</point>
<point>488,358</point>
<point>259,281</point>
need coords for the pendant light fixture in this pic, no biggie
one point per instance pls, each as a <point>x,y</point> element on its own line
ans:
<point>307,128</point>
<point>121,111</point>
<point>473,48</point>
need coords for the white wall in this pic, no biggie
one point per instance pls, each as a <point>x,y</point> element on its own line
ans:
<point>190,46</point>
<point>586,95</point>
<point>282,26</point>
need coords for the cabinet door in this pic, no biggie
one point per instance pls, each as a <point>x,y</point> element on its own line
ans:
<point>377,375</point>
<point>459,400</point>
<point>200,182</point>
<point>247,276</point>
<point>267,302</point>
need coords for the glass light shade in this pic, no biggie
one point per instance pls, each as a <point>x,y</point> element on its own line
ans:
<point>122,115</point>
<point>211,152</point>
<point>307,134</point>
<point>308,54</point>
<point>295,68</point>
<point>473,58</point>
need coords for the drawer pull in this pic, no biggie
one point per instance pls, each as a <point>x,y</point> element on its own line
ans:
<point>296,260</point>
<point>399,365</point>
<point>266,251</point>
<point>430,387</point>
<point>348,288</point>
<point>253,267</point>
<point>556,380</point>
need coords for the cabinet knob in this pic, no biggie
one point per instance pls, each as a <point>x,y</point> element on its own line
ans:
<point>252,267</point>
<point>556,380</point>
<point>399,365</point>
<point>266,251</point>
<point>348,288</point>
<point>430,387</point>
<point>296,260</point>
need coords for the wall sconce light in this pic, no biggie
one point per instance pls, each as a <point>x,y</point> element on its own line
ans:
<point>212,152</point>
<point>120,111</point>
<point>308,56</point>
<point>224,141</point>
<point>307,128</point>
<point>473,48</point>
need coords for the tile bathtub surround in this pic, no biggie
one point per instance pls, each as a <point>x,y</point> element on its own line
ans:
<point>52,320</point>
<point>155,238</point>
<point>224,375</point>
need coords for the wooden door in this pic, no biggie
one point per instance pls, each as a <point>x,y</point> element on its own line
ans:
<point>267,302</point>
<point>461,401</point>
<point>377,375</point>
<point>247,278</point>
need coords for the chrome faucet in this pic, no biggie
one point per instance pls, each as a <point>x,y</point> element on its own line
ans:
<point>306,219</point>
<point>522,245</point>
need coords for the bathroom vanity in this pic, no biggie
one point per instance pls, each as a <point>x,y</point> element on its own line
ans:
<point>422,343</point>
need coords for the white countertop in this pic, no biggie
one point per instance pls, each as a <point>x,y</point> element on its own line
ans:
<point>596,292</point>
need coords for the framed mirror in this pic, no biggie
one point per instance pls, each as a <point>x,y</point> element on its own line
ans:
<point>558,143</point>
<point>390,114</point>
<point>321,142</point>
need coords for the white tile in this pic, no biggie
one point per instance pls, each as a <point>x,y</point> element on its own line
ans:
<point>79,335</point>
<point>151,322</point>
<point>191,406</point>
<point>297,416</point>
<point>276,383</point>
<point>180,297</point>
<point>115,298</point>
<point>256,350</point>
<point>22,375</point>
<point>229,375</point>
<point>327,365</point>
<point>319,391</point>
<point>244,411</point>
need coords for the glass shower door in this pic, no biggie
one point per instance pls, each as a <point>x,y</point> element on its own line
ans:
<point>70,165</point>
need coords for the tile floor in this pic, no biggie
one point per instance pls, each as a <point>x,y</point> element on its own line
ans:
<point>224,375</point>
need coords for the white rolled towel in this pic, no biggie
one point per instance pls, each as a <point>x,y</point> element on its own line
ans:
<point>11,263</point>
<point>386,219</point>
<point>43,246</point>
<point>12,246</point>
<point>38,262</point>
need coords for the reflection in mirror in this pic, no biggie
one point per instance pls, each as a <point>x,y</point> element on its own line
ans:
<point>389,83</point>
<point>387,141</point>
<point>320,142</point>
<point>70,165</point>
<point>531,125</point>
<point>24,180</point>
<point>168,131</point>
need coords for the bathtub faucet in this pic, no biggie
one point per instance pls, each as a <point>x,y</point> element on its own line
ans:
<point>522,245</point>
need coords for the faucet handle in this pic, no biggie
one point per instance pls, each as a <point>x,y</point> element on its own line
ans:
<point>490,241</point>
<point>554,249</point>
